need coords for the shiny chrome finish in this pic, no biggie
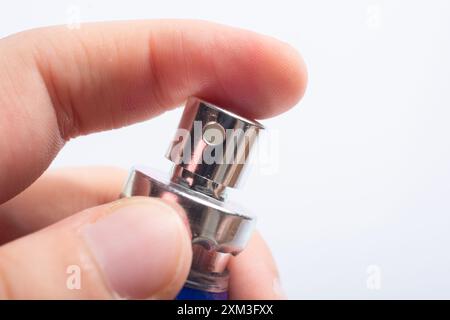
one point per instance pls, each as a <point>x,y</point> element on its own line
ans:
<point>219,229</point>
<point>213,144</point>
<point>216,225</point>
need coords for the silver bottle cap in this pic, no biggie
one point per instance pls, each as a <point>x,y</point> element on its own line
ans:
<point>211,148</point>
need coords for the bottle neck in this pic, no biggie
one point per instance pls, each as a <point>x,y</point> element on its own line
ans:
<point>197,183</point>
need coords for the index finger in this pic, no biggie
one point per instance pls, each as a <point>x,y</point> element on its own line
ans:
<point>58,83</point>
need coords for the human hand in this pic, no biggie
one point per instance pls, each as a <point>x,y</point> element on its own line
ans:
<point>57,84</point>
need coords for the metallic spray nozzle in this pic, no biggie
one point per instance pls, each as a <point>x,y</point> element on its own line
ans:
<point>211,147</point>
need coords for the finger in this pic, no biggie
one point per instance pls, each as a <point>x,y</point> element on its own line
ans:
<point>58,83</point>
<point>57,194</point>
<point>134,248</point>
<point>253,273</point>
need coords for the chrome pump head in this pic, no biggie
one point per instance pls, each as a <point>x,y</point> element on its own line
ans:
<point>211,148</point>
<point>210,153</point>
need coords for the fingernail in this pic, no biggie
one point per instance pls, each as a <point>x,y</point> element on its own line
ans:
<point>140,248</point>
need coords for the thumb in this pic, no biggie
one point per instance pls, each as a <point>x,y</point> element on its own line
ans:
<point>133,248</point>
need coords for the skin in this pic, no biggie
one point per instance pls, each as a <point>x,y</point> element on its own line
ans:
<point>57,84</point>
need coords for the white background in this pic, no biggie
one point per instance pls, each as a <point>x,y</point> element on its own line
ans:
<point>364,160</point>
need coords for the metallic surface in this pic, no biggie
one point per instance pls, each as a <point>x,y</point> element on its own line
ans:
<point>219,229</point>
<point>216,225</point>
<point>212,143</point>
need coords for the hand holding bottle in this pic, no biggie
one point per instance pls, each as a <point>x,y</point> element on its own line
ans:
<point>62,234</point>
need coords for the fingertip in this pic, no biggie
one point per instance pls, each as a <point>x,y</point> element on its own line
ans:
<point>253,273</point>
<point>284,78</point>
<point>293,80</point>
<point>258,76</point>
